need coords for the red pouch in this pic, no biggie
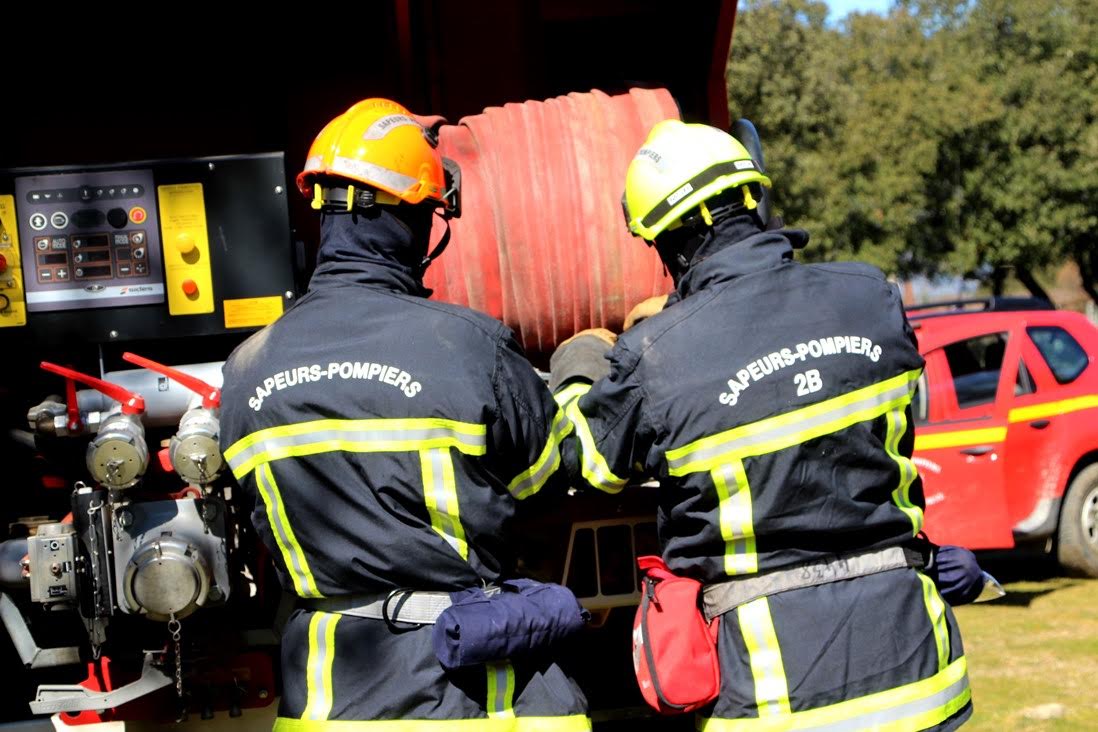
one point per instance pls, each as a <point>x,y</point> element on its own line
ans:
<point>674,648</point>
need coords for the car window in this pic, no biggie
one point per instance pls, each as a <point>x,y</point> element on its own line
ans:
<point>1023,382</point>
<point>975,365</point>
<point>1066,359</point>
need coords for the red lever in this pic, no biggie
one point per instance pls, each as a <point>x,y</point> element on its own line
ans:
<point>131,403</point>
<point>73,407</point>
<point>211,395</point>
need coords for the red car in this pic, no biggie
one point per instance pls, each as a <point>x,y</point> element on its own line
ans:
<point>1007,427</point>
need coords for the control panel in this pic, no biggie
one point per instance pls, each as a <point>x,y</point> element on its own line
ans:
<point>144,251</point>
<point>90,240</point>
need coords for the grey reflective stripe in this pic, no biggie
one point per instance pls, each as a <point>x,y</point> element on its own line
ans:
<point>897,427</point>
<point>435,484</point>
<point>593,465</point>
<point>721,597</point>
<point>291,550</point>
<point>742,446</point>
<point>883,717</point>
<point>321,656</point>
<point>765,658</point>
<point>735,517</point>
<point>440,496</point>
<point>406,606</point>
<point>500,689</point>
<point>698,182</point>
<point>379,437</point>
<point>550,461</point>
<point>374,173</point>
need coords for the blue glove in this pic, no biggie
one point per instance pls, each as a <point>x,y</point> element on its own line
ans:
<point>957,575</point>
<point>525,617</point>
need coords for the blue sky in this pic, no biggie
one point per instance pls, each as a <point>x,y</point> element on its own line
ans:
<point>839,8</point>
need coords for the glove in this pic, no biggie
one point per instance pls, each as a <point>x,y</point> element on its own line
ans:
<point>582,356</point>
<point>957,574</point>
<point>644,309</point>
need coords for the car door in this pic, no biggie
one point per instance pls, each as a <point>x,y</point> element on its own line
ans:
<point>1041,422</point>
<point>959,444</point>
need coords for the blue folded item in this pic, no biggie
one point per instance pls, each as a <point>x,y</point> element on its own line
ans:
<point>524,617</point>
<point>957,575</point>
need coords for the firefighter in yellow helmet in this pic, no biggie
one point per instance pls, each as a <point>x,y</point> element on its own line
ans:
<point>772,401</point>
<point>387,442</point>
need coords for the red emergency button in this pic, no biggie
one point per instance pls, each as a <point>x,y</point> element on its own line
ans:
<point>138,215</point>
<point>3,263</point>
<point>190,288</point>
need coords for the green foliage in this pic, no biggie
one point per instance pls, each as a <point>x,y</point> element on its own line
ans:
<point>944,137</point>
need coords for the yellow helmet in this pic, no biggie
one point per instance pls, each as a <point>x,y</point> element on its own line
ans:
<point>379,145</point>
<point>678,168</point>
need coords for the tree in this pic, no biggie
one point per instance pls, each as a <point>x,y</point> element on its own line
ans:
<point>948,136</point>
<point>1029,198</point>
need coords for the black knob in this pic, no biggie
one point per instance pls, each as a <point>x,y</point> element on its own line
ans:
<point>117,218</point>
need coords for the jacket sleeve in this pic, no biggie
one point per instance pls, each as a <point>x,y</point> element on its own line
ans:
<point>529,426</point>
<point>610,438</point>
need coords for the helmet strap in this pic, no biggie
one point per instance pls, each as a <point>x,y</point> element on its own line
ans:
<point>438,250</point>
<point>678,247</point>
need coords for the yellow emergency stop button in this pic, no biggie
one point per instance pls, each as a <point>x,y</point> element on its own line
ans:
<point>138,215</point>
<point>184,242</point>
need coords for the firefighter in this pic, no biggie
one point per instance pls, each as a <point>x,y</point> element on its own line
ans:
<point>772,401</point>
<point>387,441</point>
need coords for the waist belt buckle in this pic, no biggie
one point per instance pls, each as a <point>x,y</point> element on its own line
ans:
<point>391,620</point>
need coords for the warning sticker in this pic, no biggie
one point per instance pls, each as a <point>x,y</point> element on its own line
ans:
<point>252,312</point>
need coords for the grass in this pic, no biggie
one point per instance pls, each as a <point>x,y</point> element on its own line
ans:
<point>1033,655</point>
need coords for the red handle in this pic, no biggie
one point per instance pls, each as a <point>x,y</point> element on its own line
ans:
<point>211,395</point>
<point>131,403</point>
<point>73,407</point>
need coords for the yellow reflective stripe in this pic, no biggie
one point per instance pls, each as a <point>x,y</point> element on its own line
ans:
<point>292,554</point>
<point>765,656</point>
<point>962,437</point>
<point>935,610</point>
<point>592,464</point>
<point>571,392</point>
<point>440,495</point>
<point>570,723</point>
<point>318,669</point>
<point>319,425</point>
<point>1053,409</point>
<point>907,708</point>
<point>501,690</point>
<point>896,427</point>
<point>353,435</point>
<point>533,479</point>
<point>737,525</point>
<point>793,428</point>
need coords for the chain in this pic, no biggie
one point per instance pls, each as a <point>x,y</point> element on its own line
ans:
<point>176,629</point>
<point>93,508</point>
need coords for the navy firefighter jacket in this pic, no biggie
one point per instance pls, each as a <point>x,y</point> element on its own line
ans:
<point>771,399</point>
<point>386,439</point>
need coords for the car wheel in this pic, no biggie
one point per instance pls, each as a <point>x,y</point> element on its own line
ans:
<point>1077,540</point>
